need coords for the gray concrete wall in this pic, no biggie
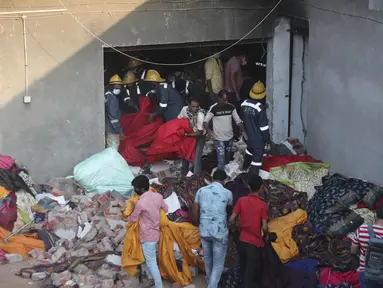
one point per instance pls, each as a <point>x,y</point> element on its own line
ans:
<point>64,124</point>
<point>344,86</point>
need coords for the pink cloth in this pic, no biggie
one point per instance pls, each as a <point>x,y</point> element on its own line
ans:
<point>6,162</point>
<point>232,66</point>
<point>147,213</point>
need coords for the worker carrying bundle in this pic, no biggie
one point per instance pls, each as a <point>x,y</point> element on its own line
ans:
<point>170,102</point>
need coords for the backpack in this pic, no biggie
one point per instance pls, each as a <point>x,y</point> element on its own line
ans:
<point>374,257</point>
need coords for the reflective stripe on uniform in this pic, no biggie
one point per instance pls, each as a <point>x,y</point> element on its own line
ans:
<point>187,86</point>
<point>138,90</point>
<point>108,93</point>
<point>163,105</point>
<point>151,91</point>
<point>114,121</point>
<point>248,153</point>
<point>255,106</point>
<point>143,75</point>
<point>264,128</point>
<point>256,163</point>
<point>174,84</point>
<point>126,99</point>
<point>165,85</point>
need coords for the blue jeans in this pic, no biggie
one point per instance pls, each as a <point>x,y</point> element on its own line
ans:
<point>223,152</point>
<point>214,254</point>
<point>200,143</point>
<point>364,283</point>
<point>150,253</point>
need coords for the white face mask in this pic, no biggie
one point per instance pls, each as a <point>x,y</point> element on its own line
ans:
<point>116,91</point>
<point>243,62</point>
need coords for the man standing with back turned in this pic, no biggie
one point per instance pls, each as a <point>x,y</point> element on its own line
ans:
<point>368,242</point>
<point>253,212</point>
<point>210,208</point>
<point>147,213</point>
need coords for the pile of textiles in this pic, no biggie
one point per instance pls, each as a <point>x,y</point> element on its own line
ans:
<point>301,176</point>
<point>282,160</point>
<point>186,188</point>
<point>329,209</point>
<point>283,199</point>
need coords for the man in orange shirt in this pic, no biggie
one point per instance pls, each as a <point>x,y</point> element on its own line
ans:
<point>253,212</point>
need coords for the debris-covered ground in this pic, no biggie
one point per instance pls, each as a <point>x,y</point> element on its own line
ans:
<point>74,233</point>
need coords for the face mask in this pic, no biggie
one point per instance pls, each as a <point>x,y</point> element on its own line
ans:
<point>243,62</point>
<point>116,91</point>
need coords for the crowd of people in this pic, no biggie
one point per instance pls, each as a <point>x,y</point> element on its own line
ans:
<point>176,97</point>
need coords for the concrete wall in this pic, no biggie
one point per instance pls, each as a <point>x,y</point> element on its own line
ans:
<point>64,124</point>
<point>344,86</point>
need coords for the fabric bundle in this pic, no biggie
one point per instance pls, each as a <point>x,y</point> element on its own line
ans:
<point>329,208</point>
<point>138,132</point>
<point>170,142</point>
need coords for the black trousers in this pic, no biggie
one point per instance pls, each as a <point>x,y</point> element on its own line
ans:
<point>250,264</point>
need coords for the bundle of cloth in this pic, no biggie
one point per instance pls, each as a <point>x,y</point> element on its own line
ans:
<point>282,160</point>
<point>184,234</point>
<point>170,142</point>
<point>329,210</point>
<point>138,132</point>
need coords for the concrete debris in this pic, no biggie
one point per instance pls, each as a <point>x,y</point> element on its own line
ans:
<point>40,276</point>
<point>59,279</point>
<point>13,258</point>
<point>59,254</point>
<point>37,254</point>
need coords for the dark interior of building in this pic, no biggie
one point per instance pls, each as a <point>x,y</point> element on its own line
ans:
<point>115,62</point>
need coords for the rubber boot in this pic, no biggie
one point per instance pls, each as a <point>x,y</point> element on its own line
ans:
<point>246,162</point>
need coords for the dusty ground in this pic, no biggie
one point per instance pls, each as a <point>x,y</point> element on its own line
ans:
<point>10,280</point>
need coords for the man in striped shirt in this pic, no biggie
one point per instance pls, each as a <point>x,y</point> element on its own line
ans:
<point>360,244</point>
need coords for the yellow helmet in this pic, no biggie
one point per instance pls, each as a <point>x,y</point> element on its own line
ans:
<point>129,78</point>
<point>153,76</point>
<point>258,91</point>
<point>133,63</point>
<point>115,79</point>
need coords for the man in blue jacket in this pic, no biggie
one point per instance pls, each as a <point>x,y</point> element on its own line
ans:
<point>113,128</point>
<point>257,128</point>
<point>170,102</point>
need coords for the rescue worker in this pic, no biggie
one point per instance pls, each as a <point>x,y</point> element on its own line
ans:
<point>129,94</point>
<point>184,87</point>
<point>257,127</point>
<point>170,102</point>
<point>137,67</point>
<point>113,128</point>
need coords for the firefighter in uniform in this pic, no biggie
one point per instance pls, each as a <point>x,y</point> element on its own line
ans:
<point>113,130</point>
<point>129,94</point>
<point>257,127</point>
<point>169,100</point>
<point>184,87</point>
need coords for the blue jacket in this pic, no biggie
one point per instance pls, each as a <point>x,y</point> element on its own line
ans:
<point>170,102</point>
<point>256,123</point>
<point>112,113</point>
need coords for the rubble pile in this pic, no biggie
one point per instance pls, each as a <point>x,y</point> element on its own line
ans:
<point>92,229</point>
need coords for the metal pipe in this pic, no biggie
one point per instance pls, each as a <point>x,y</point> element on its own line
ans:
<point>33,11</point>
<point>25,55</point>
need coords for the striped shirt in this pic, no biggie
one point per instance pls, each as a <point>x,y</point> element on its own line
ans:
<point>362,238</point>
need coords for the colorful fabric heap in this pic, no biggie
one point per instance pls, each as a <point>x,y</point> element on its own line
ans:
<point>283,199</point>
<point>138,132</point>
<point>329,209</point>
